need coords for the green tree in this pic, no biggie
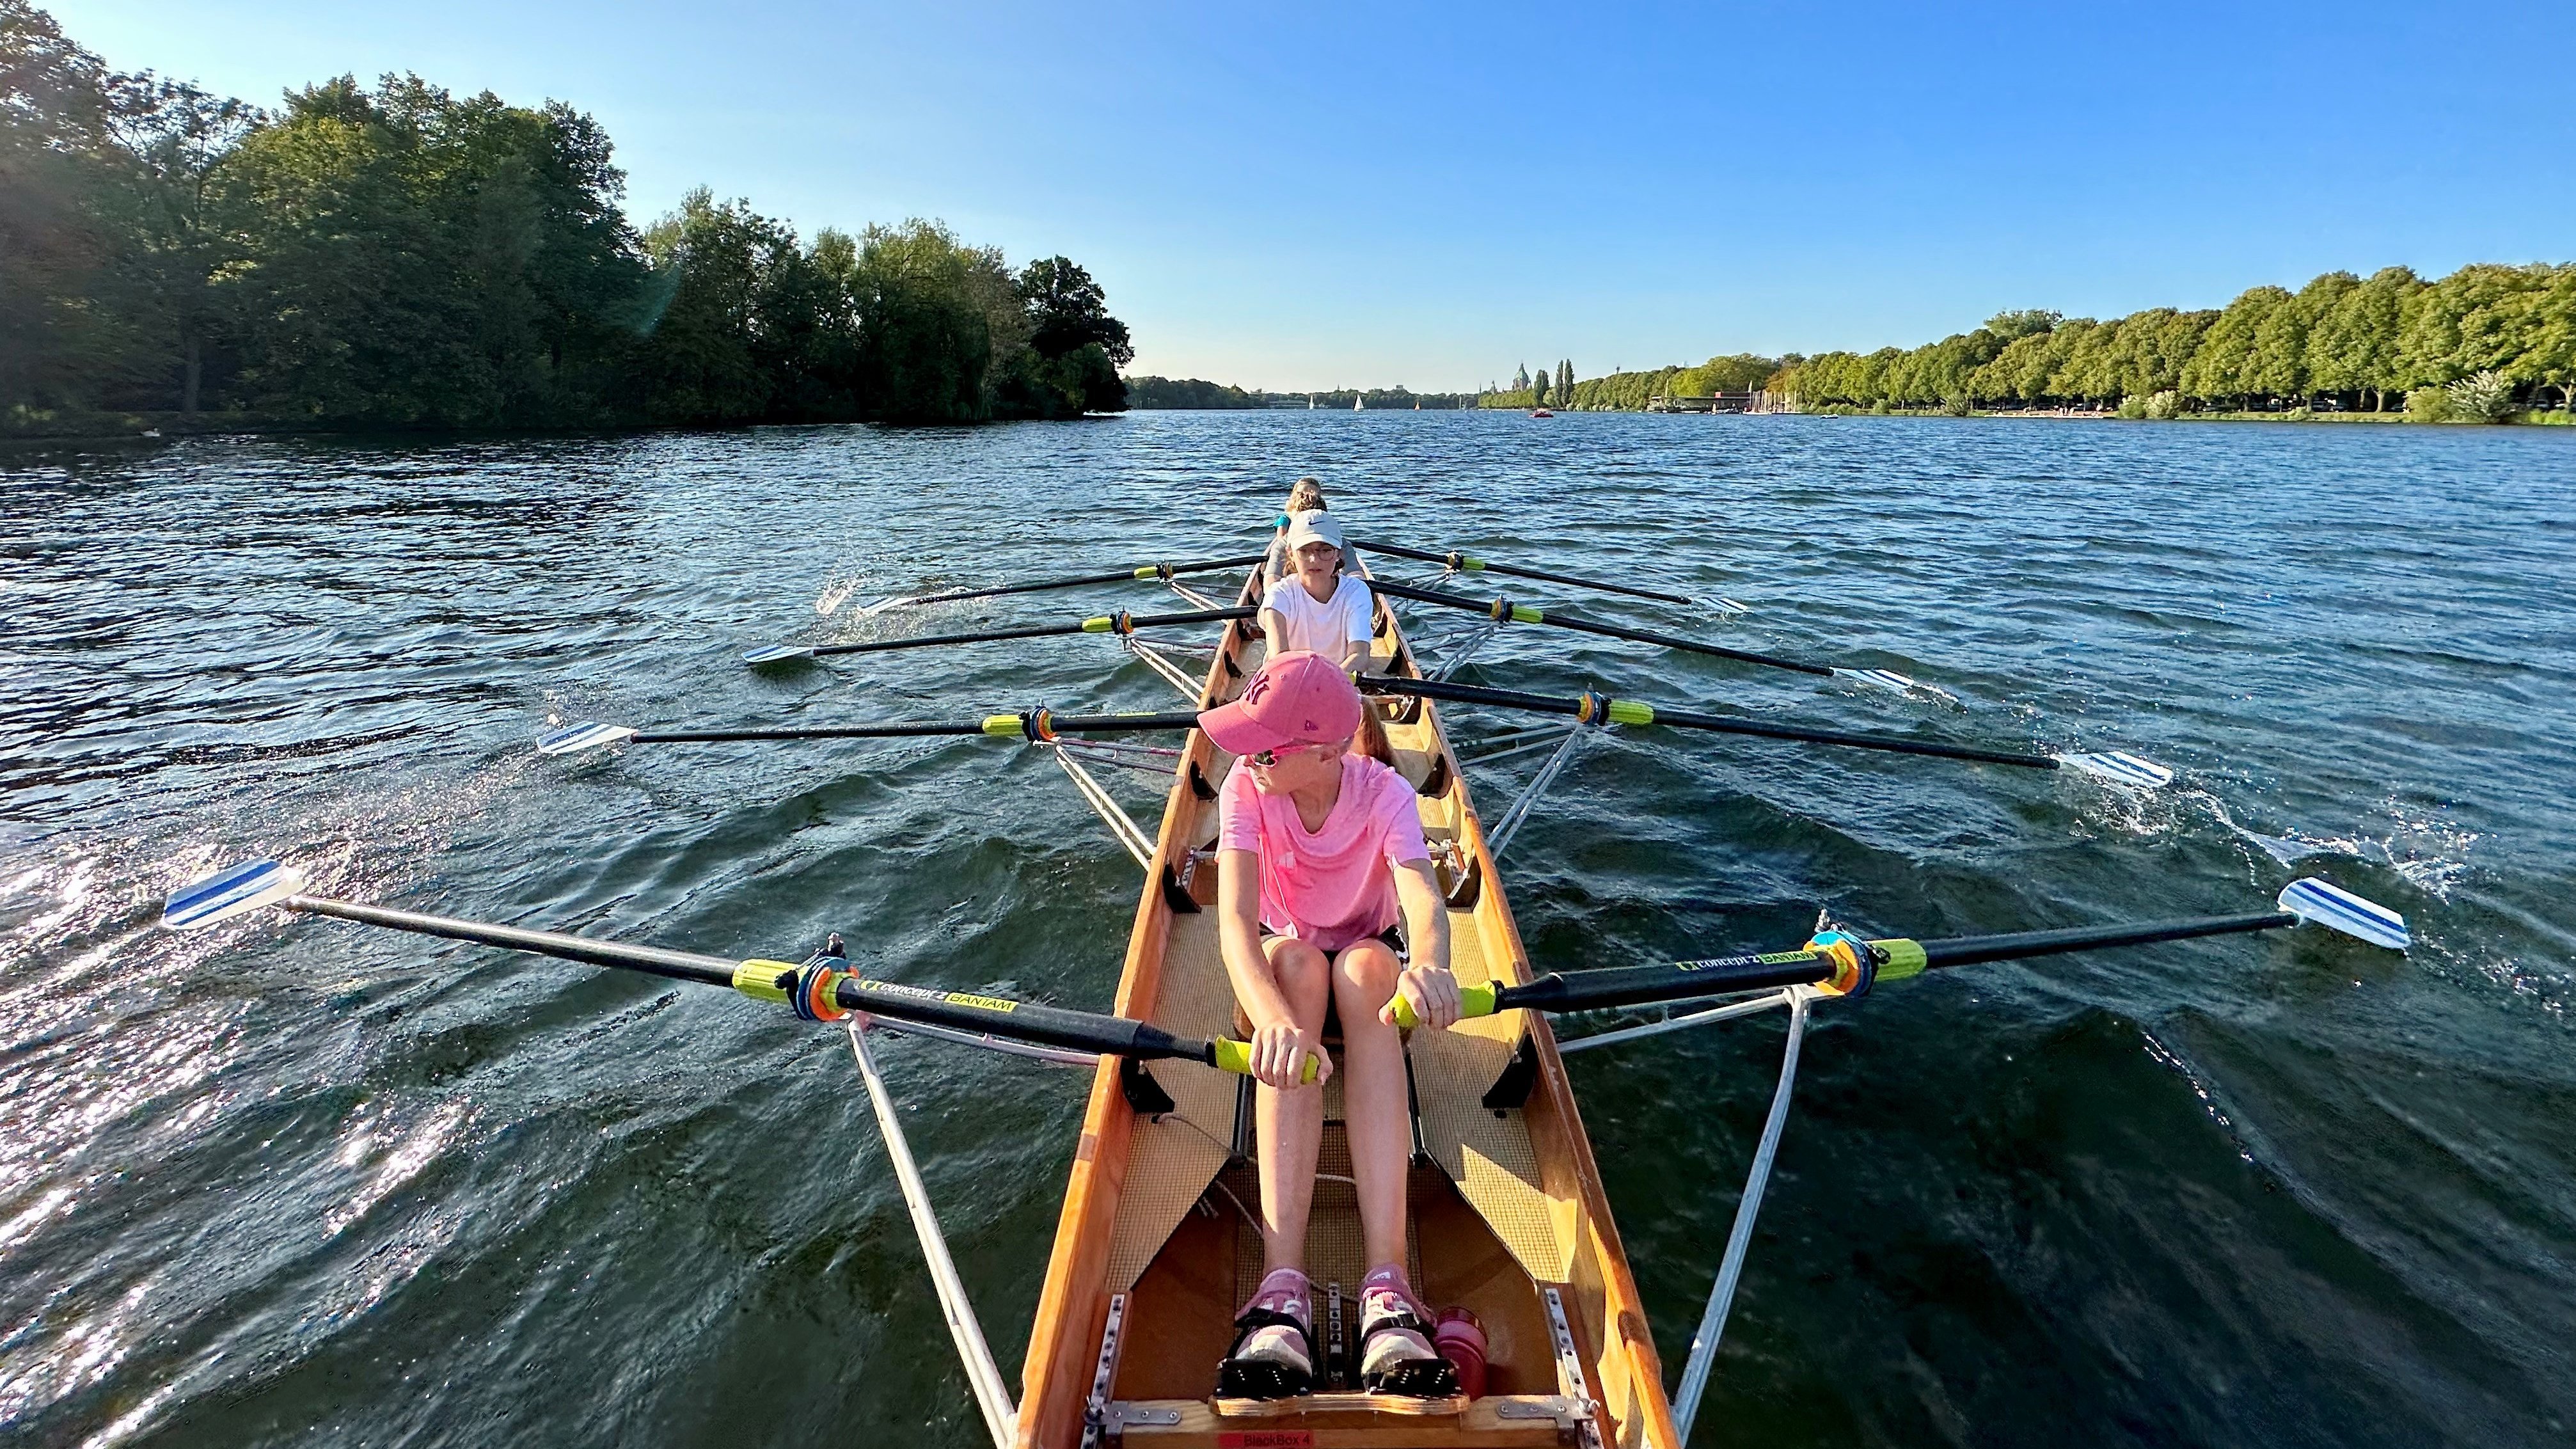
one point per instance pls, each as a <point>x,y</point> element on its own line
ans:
<point>53,128</point>
<point>2352,345</point>
<point>2224,366</point>
<point>927,345</point>
<point>173,244</point>
<point>699,357</point>
<point>1068,311</point>
<point>402,256</point>
<point>2011,327</point>
<point>2552,358</point>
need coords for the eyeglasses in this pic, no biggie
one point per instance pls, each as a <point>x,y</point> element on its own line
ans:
<point>1267,758</point>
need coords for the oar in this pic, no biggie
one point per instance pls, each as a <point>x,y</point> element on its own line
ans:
<point>1121,622</point>
<point>1074,581</point>
<point>1849,966</point>
<point>1036,726</point>
<point>1590,707</point>
<point>1504,611</point>
<point>817,990</point>
<point>1467,563</point>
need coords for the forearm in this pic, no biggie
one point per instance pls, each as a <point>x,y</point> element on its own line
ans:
<point>1247,966</point>
<point>1426,916</point>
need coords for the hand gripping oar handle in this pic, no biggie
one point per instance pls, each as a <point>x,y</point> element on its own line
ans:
<point>1118,623</point>
<point>1467,563</point>
<point>1506,612</point>
<point>815,990</point>
<point>1595,708</point>
<point>1849,966</point>
<point>1119,576</point>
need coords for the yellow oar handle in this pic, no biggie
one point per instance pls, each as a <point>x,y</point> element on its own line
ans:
<point>1236,1057</point>
<point>1472,1001</point>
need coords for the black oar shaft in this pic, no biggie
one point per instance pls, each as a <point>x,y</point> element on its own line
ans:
<point>1470,563</point>
<point>1899,958</point>
<point>1898,744</point>
<point>1040,724</point>
<point>1101,624</point>
<point>1118,576</point>
<point>1599,710</point>
<point>1053,1026</point>
<point>1504,611</point>
<point>998,1016</point>
<point>1106,724</point>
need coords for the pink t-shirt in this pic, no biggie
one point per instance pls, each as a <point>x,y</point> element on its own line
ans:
<point>1336,885</point>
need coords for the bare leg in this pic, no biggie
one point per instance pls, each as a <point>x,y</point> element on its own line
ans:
<point>1290,1125</point>
<point>1374,1102</point>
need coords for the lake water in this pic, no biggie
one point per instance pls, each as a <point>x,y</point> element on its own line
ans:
<point>293,1181</point>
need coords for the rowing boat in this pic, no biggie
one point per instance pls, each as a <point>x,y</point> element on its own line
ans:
<point>1155,1249</point>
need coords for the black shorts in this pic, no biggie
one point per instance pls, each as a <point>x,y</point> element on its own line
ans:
<point>1393,936</point>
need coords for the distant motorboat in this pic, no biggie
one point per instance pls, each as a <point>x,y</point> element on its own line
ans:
<point>1541,413</point>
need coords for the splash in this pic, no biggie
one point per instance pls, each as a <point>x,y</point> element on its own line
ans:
<point>835,594</point>
<point>2426,850</point>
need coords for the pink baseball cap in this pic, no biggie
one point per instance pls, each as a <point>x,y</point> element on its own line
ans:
<point>1299,697</point>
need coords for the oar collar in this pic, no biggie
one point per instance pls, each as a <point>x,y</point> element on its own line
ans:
<point>1855,963</point>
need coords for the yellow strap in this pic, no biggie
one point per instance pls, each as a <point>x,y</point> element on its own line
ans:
<point>1101,625</point>
<point>1524,614</point>
<point>1002,726</point>
<point>1629,712</point>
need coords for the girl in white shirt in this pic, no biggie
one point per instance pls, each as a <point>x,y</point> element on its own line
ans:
<point>1318,607</point>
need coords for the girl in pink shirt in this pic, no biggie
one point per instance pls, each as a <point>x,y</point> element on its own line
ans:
<point>1320,858</point>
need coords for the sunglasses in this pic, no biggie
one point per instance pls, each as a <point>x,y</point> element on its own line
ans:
<point>1267,758</point>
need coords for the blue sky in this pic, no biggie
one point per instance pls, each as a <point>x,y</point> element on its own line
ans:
<point>1316,196</point>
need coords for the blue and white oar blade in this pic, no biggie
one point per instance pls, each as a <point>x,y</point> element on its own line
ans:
<point>777,653</point>
<point>588,735</point>
<point>1721,603</point>
<point>231,893</point>
<point>2120,768</point>
<point>2315,902</point>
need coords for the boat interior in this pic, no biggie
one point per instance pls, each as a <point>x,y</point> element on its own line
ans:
<point>1158,1248</point>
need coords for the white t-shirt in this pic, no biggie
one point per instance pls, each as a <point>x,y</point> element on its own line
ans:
<point>1324,627</point>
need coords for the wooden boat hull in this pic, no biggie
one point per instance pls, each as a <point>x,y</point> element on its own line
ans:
<point>1154,1250</point>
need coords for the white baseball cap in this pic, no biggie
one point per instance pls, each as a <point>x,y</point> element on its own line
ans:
<point>1312,525</point>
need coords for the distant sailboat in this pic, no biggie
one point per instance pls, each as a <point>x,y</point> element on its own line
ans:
<point>1359,404</point>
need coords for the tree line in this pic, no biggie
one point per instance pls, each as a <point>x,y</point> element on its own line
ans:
<point>2486,340</point>
<point>402,256</point>
<point>1198,394</point>
<point>2484,343</point>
